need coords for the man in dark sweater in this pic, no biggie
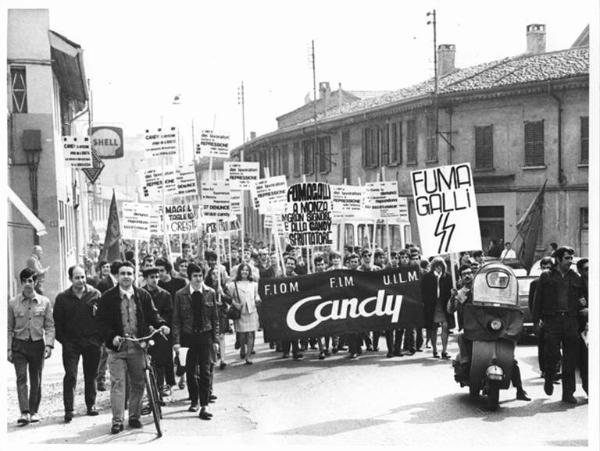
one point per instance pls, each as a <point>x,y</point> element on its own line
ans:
<point>162,352</point>
<point>77,331</point>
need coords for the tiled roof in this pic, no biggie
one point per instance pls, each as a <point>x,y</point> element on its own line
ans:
<point>502,73</point>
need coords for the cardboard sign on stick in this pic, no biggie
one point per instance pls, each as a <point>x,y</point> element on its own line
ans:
<point>347,202</point>
<point>308,214</point>
<point>270,194</point>
<point>241,174</point>
<point>180,219</point>
<point>162,142</point>
<point>381,199</point>
<point>215,200</point>
<point>446,209</point>
<point>136,221</point>
<point>215,145</point>
<point>77,152</point>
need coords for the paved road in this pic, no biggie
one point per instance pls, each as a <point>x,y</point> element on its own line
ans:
<point>372,401</point>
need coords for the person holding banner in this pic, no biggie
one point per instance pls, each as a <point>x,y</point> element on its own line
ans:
<point>436,286</point>
<point>245,298</point>
<point>223,305</point>
<point>290,271</point>
<point>354,339</point>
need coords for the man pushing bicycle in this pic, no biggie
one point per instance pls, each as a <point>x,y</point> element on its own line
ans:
<point>125,311</point>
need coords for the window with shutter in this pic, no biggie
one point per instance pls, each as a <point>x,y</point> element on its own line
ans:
<point>297,156</point>
<point>484,148</point>
<point>19,89</point>
<point>324,144</point>
<point>395,146</point>
<point>308,155</point>
<point>430,139</point>
<point>534,143</point>
<point>385,145</point>
<point>346,155</point>
<point>585,157</point>
<point>285,169</point>
<point>411,141</point>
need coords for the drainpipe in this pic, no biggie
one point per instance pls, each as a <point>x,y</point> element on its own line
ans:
<point>562,180</point>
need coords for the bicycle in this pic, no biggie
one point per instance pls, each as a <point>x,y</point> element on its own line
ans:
<point>154,396</point>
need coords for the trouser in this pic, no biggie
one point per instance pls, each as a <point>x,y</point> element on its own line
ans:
<point>419,338</point>
<point>376,335</point>
<point>286,344</point>
<point>561,331</point>
<point>125,365</point>
<point>197,368</point>
<point>389,339</point>
<point>400,334</point>
<point>354,341</point>
<point>583,364</point>
<point>515,377</point>
<point>222,347</point>
<point>411,337</point>
<point>162,361</point>
<point>102,364</point>
<point>28,357</point>
<point>90,356</point>
<point>323,343</point>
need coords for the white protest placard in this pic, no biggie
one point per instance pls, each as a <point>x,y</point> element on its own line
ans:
<point>270,194</point>
<point>380,200</point>
<point>77,152</point>
<point>241,174</point>
<point>137,219</point>
<point>215,145</point>
<point>185,180</point>
<point>180,218</point>
<point>215,200</point>
<point>347,202</point>
<point>446,209</point>
<point>278,228</point>
<point>308,214</point>
<point>235,203</point>
<point>234,227</point>
<point>156,227</point>
<point>162,142</point>
<point>151,181</point>
<point>403,206</point>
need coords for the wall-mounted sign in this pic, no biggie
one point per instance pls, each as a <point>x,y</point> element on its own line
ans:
<point>107,142</point>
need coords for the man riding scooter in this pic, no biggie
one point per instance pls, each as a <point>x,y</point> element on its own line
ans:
<point>458,300</point>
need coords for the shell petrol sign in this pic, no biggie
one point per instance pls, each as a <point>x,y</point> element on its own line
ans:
<point>107,142</point>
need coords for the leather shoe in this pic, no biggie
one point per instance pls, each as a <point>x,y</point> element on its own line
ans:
<point>548,387</point>
<point>204,415</point>
<point>23,419</point>
<point>116,428</point>
<point>68,416</point>
<point>570,399</point>
<point>135,423</point>
<point>193,408</point>
<point>92,412</point>
<point>522,395</point>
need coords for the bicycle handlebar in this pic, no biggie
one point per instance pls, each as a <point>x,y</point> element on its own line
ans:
<point>147,337</point>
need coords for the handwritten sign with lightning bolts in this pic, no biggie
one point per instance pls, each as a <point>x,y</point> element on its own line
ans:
<point>446,209</point>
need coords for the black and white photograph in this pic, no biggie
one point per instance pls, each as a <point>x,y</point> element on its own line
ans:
<point>315,224</point>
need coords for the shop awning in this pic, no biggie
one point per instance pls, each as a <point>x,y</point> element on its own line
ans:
<point>39,227</point>
<point>67,63</point>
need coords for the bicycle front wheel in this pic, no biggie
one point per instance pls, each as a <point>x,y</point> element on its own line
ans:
<point>153,400</point>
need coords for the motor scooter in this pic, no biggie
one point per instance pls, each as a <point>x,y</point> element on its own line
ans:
<point>492,324</point>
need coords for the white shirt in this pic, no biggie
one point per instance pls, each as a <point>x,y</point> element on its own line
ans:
<point>510,253</point>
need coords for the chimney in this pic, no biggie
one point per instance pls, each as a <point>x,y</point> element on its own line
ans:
<point>340,94</point>
<point>324,89</point>
<point>445,57</point>
<point>536,38</point>
<point>252,135</point>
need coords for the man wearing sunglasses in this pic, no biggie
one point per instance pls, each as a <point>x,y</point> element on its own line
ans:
<point>558,299</point>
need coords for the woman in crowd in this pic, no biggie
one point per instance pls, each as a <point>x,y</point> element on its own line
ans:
<point>244,292</point>
<point>223,305</point>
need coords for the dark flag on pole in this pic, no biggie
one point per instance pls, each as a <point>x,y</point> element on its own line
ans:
<point>528,229</point>
<point>112,248</point>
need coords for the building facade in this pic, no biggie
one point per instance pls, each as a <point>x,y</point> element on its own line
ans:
<point>47,91</point>
<point>519,121</point>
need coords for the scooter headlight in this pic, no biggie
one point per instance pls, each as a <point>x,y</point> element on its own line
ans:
<point>495,324</point>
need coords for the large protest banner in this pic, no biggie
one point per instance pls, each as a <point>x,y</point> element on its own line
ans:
<point>446,209</point>
<point>308,214</point>
<point>137,219</point>
<point>213,145</point>
<point>339,302</point>
<point>241,174</point>
<point>77,152</point>
<point>180,219</point>
<point>162,142</point>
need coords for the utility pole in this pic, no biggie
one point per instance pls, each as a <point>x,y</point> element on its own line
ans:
<point>241,102</point>
<point>433,22</point>
<point>315,142</point>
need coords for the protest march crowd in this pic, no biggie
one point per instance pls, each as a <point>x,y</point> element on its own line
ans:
<point>196,298</point>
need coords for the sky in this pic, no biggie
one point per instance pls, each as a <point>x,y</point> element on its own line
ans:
<point>140,54</point>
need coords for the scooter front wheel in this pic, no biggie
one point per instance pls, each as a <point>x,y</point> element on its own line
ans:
<point>493,397</point>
